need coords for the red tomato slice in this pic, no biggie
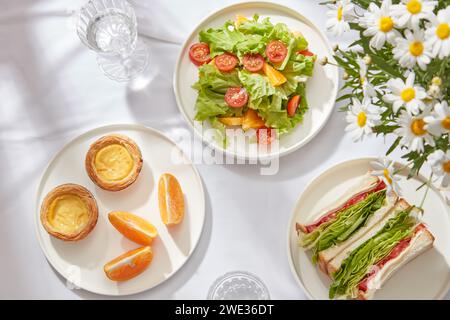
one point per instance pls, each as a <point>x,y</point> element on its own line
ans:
<point>226,62</point>
<point>253,62</point>
<point>293,105</point>
<point>236,97</point>
<point>265,135</point>
<point>276,51</point>
<point>306,53</point>
<point>199,54</point>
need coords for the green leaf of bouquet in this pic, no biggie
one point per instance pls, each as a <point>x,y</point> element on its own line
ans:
<point>394,145</point>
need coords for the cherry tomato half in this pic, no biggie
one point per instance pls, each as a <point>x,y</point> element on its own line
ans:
<point>265,135</point>
<point>293,105</point>
<point>199,54</point>
<point>226,62</point>
<point>253,62</point>
<point>236,97</point>
<point>306,53</point>
<point>276,51</point>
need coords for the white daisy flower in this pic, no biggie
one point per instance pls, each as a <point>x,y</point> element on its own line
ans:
<point>412,131</point>
<point>362,117</point>
<point>412,50</point>
<point>438,34</point>
<point>368,88</point>
<point>379,24</point>
<point>405,93</point>
<point>384,168</point>
<point>439,122</point>
<point>410,12</point>
<point>338,17</point>
<point>440,165</point>
<point>434,91</point>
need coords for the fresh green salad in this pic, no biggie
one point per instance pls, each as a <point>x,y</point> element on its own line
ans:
<point>252,74</point>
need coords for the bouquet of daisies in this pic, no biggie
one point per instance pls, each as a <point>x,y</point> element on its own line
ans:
<point>397,76</point>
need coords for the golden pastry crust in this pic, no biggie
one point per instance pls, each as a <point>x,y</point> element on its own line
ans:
<point>71,190</point>
<point>133,150</point>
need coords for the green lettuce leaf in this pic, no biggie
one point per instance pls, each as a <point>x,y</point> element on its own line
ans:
<point>222,39</point>
<point>209,104</point>
<point>357,265</point>
<point>255,26</point>
<point>212,86</point>
<point>257,85</point>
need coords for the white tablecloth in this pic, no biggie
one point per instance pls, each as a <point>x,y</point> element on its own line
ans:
<point>51,90</point>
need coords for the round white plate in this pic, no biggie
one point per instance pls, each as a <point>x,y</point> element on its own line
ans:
<point>321,89</point>
<point>425,277</point>
<point>82,262</point>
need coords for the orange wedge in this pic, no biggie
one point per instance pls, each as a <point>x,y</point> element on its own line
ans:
<point>171,200</point>
<point>252,120</point>
<point>133,227</point>
<point>129,265</point>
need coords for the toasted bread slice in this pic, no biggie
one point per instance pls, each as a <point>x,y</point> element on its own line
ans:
<point>367,182</point>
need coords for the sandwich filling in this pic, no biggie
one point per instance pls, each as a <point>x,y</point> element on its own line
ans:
<point>352,201</point>
<point>398,249</point>
<point>363,263</point>
<point>347,222</point>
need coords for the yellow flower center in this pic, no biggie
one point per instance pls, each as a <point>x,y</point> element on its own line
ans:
<point>446,166</point>
<point>408,94</point>
<point>340,13</point>
<point>414,6</point>
<point>362,79</point>
<point>361,119</point>
<point>417,127</point>
<point>437,81</point>
<point>416,48</point>
<point>443,31</point>
<point>387,176</point>
<point>446,123</point>
<point>386,24</point>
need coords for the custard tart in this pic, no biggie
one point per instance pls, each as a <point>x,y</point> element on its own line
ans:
<point>114,162</point>
<point>69,212</point>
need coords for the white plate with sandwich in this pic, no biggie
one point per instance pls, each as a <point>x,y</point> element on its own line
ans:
<point>350,238</point>
<point>319,92</point>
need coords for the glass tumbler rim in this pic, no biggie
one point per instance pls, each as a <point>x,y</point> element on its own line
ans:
<point>233,274</point>
<point>84,12</point>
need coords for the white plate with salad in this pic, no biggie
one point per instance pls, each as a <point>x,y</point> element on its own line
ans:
<point>425,277</point>
<point>247,80</point>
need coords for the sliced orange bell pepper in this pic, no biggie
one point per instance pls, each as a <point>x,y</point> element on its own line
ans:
<point>231,121</point>
<point>252,120</point>
<point>276,78</point>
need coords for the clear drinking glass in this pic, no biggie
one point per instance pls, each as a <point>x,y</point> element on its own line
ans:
<point>238,285</point>
<point>109,27</point>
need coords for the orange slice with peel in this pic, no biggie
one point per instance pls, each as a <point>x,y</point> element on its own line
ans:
<point>129,264</point>
<point>133,227</point>
<point>171,200</point>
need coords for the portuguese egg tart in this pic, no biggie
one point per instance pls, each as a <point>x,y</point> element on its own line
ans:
<point>69,212</point>
<point>114,162</point>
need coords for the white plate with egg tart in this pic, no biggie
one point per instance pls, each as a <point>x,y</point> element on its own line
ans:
<point>82,260</point>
